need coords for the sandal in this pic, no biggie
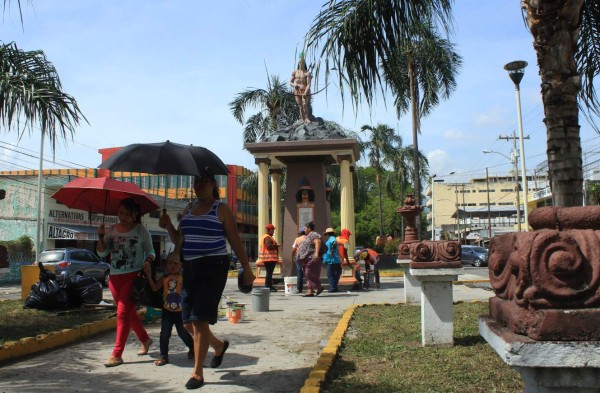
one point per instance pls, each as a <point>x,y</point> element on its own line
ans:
<point>145,347</point>
<point>194,383</point>
<point>217,360</point>
<point>319,291</point>
<point>113,362</point>
<point>309,295</point>
<point>161,362</point>
<point>190,354</point>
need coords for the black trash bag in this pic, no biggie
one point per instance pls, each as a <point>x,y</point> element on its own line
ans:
<point>83,290</point>
<point>47,295</point>
<point>45,275</point>
<point>142,294</point>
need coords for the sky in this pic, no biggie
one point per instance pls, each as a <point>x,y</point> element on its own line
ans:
<point>144,71</point>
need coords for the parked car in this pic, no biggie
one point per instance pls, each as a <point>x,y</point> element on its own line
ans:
<point>71,262</point>
<point>474,255</point>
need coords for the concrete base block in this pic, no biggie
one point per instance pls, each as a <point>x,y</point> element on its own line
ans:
<point>546,366</point>
<point>412,286</point>
<point>437,314</point>
<point>437,308</point>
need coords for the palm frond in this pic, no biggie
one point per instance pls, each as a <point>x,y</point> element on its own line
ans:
<point>356,37</point>
<point>588,58</point>
<point>31,94</point>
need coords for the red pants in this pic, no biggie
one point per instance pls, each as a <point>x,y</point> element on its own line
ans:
<point>127,317</point>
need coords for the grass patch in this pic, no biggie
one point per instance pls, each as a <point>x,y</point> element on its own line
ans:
<point>382,352</point>
<point>17,322</point>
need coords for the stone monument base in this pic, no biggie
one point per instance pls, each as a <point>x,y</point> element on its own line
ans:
<point>548,324</point>
<point>546,366</point>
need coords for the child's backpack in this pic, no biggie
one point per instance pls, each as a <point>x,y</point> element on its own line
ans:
<point>323,249</point>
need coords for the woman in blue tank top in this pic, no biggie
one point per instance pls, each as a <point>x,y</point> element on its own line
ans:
<point>201,239</point>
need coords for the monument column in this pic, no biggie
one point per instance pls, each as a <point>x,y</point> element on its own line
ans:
<point>351,222</point>
<point>276,205</point>
<point>263,195</point>
<point>345,191</point>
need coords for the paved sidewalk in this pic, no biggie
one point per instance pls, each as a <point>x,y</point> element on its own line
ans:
<point>270,351</point>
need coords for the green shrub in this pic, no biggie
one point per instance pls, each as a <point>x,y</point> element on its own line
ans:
<point>391,246</point>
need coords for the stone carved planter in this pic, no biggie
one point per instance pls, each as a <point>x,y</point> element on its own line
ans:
<point>429,254</point>
<point>547,282</point>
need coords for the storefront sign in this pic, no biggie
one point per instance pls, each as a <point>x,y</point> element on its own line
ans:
<point>79,217</point>
<point>543,193</point>
<point>60,233</point>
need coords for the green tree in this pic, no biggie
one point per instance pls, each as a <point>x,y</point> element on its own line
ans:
<point>276,105</point>
<point>31,95</point>
<point>423,70</point>
<point>381,149</point>
<point>356,38</point>
<point>398,180</point>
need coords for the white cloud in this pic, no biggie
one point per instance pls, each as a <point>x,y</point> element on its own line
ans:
<point>440,162</point>
<point>456,135</point>
<point>494,116</point>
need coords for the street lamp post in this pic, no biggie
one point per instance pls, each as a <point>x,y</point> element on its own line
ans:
<point>432,211</point>
<point>516,70</point>
<point>514,157</point>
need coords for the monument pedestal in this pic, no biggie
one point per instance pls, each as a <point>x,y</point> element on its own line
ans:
<point>412,286</point>
<point>546,366</point>
<point>437,309</point>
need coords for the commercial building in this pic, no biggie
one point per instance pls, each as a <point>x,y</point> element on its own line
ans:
<point>64,227</point>
<point>482,208</point>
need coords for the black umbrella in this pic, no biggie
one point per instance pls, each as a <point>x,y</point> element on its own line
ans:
<point>166,158</point>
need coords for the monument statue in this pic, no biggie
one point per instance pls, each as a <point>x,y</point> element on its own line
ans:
<point>300,81</point>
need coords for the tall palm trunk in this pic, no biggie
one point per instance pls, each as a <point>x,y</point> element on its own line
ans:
<point>414,104</point>
<point>378,179</point>
<point>554,25</point>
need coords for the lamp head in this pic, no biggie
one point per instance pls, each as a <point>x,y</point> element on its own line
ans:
<point>516,70</point>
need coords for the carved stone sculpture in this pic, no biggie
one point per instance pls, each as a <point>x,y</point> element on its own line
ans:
<point>547,282</point>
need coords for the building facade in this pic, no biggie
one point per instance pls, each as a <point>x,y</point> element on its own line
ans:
<point>476,211</point>
<point>64,227</point>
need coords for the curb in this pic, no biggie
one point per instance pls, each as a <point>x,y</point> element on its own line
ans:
<point>43,342</point>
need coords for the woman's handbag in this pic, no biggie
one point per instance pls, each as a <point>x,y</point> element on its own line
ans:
<point>142,294</point>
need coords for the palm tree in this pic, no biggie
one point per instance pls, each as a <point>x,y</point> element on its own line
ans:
<point>31,95</point>
<point>402,164</point>
<point>381,147</point>
<point>359,36</point>
<point>566,37</point>
<point>276,106</point>
<point>422,71</point>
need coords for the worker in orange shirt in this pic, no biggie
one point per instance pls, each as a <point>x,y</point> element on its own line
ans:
<point>269,255</point>
<point>370,258</point>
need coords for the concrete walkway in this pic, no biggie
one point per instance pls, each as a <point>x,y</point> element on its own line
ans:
<point>270,351</point>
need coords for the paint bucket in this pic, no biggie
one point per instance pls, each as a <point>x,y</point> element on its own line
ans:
<point>260,298</point>
<point>234,314</point>
<point>291,284</point>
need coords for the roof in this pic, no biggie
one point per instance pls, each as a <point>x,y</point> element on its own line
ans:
<point>483,210</point>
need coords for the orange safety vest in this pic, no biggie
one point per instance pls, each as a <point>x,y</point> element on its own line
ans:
<point>265,254</point>
<point>341,247</point>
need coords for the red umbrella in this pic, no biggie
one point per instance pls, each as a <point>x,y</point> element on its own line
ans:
<point>102,195</point>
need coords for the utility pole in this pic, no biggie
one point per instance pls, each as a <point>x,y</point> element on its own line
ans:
<point>487,187</point>
<point>457,213</point>
<point>515,160</point>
